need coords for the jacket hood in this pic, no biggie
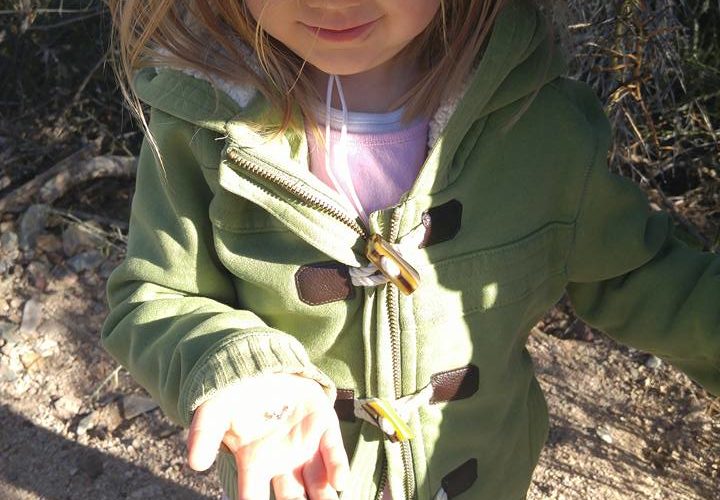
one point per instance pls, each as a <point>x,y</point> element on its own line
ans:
<point>519,58</point>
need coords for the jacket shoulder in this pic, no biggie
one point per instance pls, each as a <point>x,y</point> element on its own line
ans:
<point>588,106</point>
<point>187,96</point>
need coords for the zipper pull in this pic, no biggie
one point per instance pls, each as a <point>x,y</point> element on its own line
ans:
<point>397,429</point>
<point>391,264</point>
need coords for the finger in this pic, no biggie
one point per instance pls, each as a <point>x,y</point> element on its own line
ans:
<point>334,456</point>
<point>289,486</point>
<point>252,484</point>
<point>204,437</point>
<point>316,481</point>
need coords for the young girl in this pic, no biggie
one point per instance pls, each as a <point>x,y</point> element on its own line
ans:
<point>368,204</point>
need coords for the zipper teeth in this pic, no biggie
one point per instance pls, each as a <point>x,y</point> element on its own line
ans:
<point>305,196</point>
<point>409,473</point>
<point>392,313</point>
<point>383,481</point>
<point>392,306</point>
<point>409,479</point>
<point>394,340</point>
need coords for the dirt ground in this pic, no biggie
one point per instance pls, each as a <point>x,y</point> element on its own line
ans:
<point>623,424</point>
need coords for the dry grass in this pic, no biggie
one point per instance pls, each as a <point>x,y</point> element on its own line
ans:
<point>647,62</point>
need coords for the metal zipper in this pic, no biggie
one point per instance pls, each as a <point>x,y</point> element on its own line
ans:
<point>387,260</point>
<point>383,480</point>
<point>292,187</point>
<point>392,307</point>
<point>332,210</point>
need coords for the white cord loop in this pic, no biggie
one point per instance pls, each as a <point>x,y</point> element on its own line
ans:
<point>370,275</point>
<point>340,161</point>
<point>393,415</point>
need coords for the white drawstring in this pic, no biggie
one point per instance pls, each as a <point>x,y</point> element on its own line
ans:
<point>370,275</point>
<point>341,159</point>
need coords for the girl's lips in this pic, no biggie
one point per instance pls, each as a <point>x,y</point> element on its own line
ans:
<point>345,35</point>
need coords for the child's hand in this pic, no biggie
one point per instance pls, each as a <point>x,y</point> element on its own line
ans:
<point>279,427</point>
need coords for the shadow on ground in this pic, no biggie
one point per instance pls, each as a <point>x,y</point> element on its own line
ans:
<point>29,453</point>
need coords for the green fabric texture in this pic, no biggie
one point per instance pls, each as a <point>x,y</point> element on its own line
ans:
<point>207,294</point>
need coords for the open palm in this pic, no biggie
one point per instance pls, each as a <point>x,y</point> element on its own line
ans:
<point>280,428</point>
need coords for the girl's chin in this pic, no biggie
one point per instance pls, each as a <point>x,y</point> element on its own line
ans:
<point>345,67</point>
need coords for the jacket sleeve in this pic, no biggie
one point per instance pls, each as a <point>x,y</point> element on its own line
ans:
<point>174,320</point>
<point>630,277</point>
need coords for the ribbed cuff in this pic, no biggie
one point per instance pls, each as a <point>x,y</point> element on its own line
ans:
<point>247,354</point>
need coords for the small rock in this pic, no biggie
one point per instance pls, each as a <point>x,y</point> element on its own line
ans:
<point>108,398</point>
<point>108,417</point>
<point>29,358</point>
<point>7,226</point>
<point>7,374</point>
<point>32,224</point>
<point>63,277</point>
<point>106,269</point>
<point>604,434</point>
<point>9,242</point>
<point>67,406</point>
<point>91,464</point>
<point>78,237</point>
<point>53,329</point>
<point>47,348</point>
<point>9,332</point>
<point>5,181</point>
<point>8,250</point>
<point>86,261</point>
<point>37,274</point>
<point>32,316</point>
<point>653,362</point>
<point>48,243</point>
<point>14,362</point>
<point>134,405</point>
<point>84,424</point>
<point>167,431</point>
<point>21,385</point>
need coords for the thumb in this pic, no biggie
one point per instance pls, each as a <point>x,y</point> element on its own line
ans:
<point>205,436</point>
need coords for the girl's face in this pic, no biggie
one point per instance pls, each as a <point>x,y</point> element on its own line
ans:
<point>344,37</point>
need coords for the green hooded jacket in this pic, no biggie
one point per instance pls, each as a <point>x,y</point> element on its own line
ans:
<point>237,264</point>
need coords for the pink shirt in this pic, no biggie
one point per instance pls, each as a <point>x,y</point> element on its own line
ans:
<point>384,157</point>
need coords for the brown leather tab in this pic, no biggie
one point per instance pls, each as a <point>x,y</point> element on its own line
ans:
<point>442,223</point>
<point>455,384</point>
<point>461,479</point>
<point>324,282</point>
<point>345,405</point>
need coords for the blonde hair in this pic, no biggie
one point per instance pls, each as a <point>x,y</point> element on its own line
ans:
<point>176,33</point>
